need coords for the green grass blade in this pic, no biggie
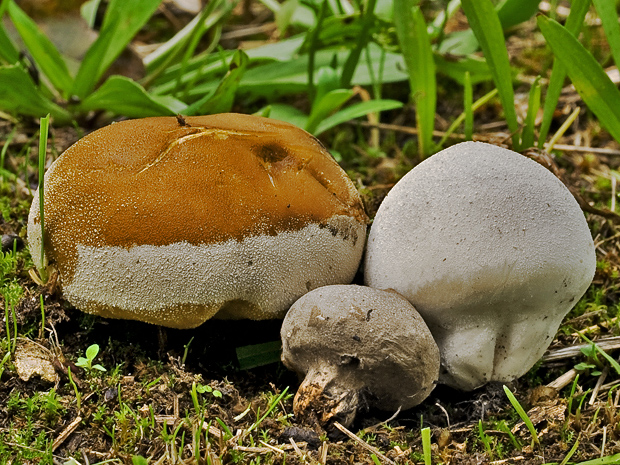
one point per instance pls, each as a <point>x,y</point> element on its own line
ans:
<point>610,460</point>
<point>18,93</point>
<point>609,18</point>
<point>159,61</point>
<point>355,111</point>
<point>527,136</point>
<point>88,11</point>
<point>362,41</point>
<point>484,438</point>
<point>577,14</point>
<point>5,148</point>
<point>222,99</point>
<point>327,80</point>
<point>485,23</point>
<point>43,133</point>
<point>193,39</point>
<point>426,445</point>
<point>457,122</point>
<point>257,355</point>
<point>42,50</point>
<point>522,414</point>
<point>283,112</point>
<point>272,405</point>
<point>417,52</point>
<point>278,71</point>
<point>588,77</point>
<point>468,103</point>
<point>138,460</point>
<point>509,12</point>
<point>513,12</point>
<point>313,44</point>
<point>123,19</point>
<point>8,51</point>
<point>326,105</point>
<point>570,452</point>
<point>456,68</point>
<point>123,96</point>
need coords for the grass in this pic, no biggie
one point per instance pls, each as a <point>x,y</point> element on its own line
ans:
<point>523,415</point>
<point>43,134</point>
<point>487,27</point>
<point>418,55</point>
<point>206,395</point>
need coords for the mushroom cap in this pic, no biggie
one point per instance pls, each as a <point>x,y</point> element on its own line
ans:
<point>364,339</point>
<point>171,221</point>
<point>493,251</point>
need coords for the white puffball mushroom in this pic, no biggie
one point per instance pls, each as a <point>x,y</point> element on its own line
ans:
<point>356,346</point>
<point>493,251</point>
<point>171,221</point>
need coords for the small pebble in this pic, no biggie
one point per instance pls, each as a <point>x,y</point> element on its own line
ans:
<point>110,394</point>
<point>8,241</point>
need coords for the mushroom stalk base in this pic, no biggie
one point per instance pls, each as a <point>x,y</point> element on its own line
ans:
<point>327,395</point>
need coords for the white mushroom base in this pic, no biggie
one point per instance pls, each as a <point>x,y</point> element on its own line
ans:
<point>181,285</point>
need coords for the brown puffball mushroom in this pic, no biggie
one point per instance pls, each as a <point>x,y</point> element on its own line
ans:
<point>356,347</point>
<point>172,220</point>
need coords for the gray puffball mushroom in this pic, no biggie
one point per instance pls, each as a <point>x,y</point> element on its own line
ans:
<point>355,347</point>
<point>171,221</point>
<point>493,251</point>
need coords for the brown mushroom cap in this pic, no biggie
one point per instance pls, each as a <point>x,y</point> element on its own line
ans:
<point>357,346</point>
<point>170,221</point>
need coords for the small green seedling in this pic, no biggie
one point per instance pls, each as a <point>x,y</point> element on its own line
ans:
<point>615,365</point>
<point>202,389</point>
<point>593,364</point>
<point>87,362</point>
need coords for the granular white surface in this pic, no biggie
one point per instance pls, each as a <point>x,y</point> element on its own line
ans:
<point>493,251</point>
<point>182,285</point>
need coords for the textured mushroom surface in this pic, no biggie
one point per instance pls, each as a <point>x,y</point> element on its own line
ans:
<point>493,251</point>
<point>171,221</point>
<point>355,347</point>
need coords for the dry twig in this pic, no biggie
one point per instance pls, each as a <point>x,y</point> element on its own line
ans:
<point>364,444</point>
<point>66,433</point>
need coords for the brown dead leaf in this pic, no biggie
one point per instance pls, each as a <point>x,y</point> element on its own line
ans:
<point>34,359</point>
<point>550,411</point>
